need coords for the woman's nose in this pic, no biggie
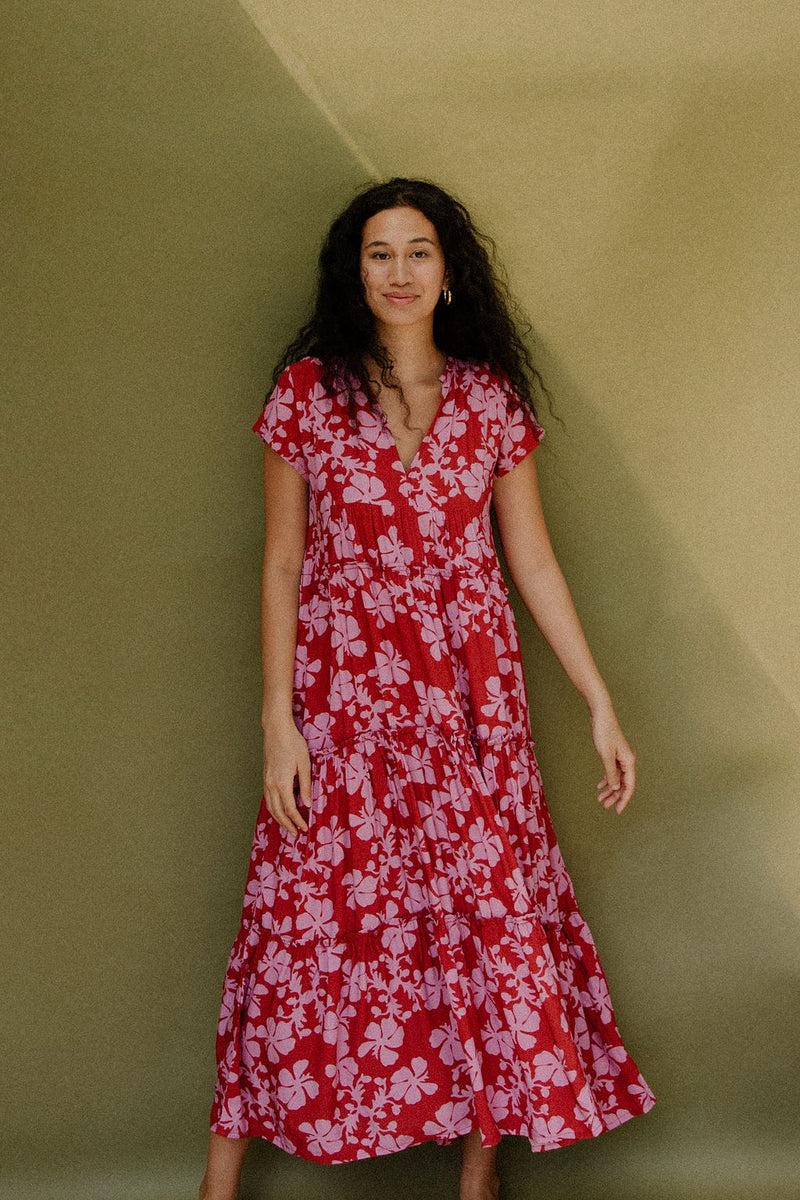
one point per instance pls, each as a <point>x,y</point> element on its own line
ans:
<point>400,272</point>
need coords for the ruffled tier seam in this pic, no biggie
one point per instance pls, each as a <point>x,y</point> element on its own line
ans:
<point>506,739</point>
<point>352,569</point>
<point>360,935</point>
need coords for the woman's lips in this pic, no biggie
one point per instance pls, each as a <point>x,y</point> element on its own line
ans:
<point>400,298</point>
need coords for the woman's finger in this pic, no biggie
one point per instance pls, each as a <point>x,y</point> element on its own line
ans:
<point>304,780</point>
<point>277,806</point>
<point>273,806</point>
<point>629,782</point>
<point>283,821</point>
<point>619,796</point>
<point>291,812</point>
<point>283,808</point>
<point>617,785</point>
<point>611,780</point>
<point>608,796</point>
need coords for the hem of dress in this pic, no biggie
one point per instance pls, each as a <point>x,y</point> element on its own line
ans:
<point>610,1122</point>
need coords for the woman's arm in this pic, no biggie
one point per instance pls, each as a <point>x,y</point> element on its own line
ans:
<point>539,581</point>
<point>285,750</point>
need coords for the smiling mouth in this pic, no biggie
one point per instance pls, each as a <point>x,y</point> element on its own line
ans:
<point>400,297</point>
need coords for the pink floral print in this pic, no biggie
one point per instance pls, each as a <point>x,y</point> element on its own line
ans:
<point>415,966</point>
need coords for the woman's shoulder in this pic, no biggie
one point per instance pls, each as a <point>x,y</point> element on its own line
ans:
<point>300,382</point>
<point>481,375</point>
<point>308,367</point>
<point>490,392</point>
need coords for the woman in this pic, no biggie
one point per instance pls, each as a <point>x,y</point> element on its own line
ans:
<point>411,962</point>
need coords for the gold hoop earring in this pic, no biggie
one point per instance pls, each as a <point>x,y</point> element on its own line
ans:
<point>448,295</point>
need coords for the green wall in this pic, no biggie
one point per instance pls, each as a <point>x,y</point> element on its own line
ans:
<point>167,188</point>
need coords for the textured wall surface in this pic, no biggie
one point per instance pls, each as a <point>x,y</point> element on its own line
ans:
<point>167,184</point>
<point>173,170</point>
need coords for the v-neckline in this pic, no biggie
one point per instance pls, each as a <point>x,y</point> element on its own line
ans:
<point>428,435</point>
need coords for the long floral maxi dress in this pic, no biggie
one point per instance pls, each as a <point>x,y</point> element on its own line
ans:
<point>415,966</point>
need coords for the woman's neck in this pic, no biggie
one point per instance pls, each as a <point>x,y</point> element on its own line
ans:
<point>416,357</point>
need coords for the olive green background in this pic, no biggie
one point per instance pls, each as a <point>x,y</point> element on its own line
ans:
<point>170,170</point>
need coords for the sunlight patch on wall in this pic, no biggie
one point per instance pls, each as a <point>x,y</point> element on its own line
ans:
<point>296,67</point>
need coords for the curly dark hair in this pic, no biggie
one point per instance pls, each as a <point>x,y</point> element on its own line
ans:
<point>483,324</point>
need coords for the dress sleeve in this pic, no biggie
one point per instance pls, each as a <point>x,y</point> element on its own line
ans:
<point>279,423</point>
<point>520,432</point>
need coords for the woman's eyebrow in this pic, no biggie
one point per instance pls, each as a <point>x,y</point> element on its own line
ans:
<point>417,239</point>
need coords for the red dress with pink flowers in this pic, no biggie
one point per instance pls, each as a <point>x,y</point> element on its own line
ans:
<point>415,966</point>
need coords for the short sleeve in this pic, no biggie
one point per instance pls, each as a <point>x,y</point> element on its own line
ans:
<point>279,424</point>
<point>520,433</point>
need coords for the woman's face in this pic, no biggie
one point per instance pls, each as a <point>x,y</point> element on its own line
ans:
<point>402,267</point>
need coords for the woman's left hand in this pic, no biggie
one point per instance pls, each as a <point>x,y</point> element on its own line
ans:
<point>616,786</point>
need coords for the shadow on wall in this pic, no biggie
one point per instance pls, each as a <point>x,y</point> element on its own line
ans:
<point>698,868</point>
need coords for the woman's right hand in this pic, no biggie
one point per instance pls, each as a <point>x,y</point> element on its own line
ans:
<point>286,756</point>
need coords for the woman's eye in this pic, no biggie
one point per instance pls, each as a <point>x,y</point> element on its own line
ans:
<point>380,254</point>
